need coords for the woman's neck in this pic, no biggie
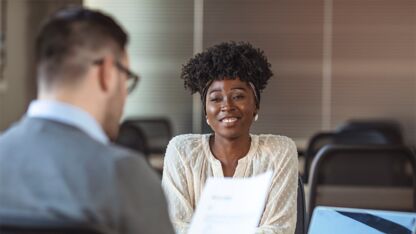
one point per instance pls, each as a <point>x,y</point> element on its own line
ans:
<point>228,152</point>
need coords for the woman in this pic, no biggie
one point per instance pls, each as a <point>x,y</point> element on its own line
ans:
<point>230,77</point>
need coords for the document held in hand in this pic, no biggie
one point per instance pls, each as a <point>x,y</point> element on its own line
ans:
<point>231,205</point>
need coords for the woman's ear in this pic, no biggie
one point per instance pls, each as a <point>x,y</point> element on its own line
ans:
<point>256,115</point>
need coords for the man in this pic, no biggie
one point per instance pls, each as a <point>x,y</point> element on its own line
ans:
<point>57,163</point>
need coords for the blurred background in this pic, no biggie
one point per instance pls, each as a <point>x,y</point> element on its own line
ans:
<point>337,63</point>
<point>333,60</point>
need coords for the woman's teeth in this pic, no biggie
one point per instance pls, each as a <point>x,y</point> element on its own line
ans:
<point>229,120</point>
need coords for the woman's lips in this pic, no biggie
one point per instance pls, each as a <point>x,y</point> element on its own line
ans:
<point>229,121</point>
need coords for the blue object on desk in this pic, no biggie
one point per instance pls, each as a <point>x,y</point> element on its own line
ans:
<point>329,220</point>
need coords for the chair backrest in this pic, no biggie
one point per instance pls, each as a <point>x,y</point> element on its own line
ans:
<point>132,137</point>
<point>317,141</point>
<point>345,137</point>
<point>301,221</point>
<point>158,132</point>
<point>38,226</point>
<point>361,137</point>
<point>362,165</point>
<point>390,129</point>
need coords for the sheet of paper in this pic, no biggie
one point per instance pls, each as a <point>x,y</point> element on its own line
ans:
<point>231,205</point>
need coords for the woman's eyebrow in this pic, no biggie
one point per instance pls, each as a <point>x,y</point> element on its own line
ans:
<point>214,90</point>
<point>239,88</point>
<point>234,88</point>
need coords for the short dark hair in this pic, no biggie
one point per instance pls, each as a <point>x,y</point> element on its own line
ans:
<point>227,60</point>
<point>69,39</point>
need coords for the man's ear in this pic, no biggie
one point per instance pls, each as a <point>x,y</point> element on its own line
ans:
<point>105,75</point>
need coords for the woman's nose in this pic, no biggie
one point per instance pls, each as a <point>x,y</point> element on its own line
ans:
<point>227,105</point>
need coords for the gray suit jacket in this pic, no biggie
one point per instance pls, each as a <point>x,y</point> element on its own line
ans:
<point>55,171</point>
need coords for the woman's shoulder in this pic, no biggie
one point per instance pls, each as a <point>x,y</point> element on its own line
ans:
<point>186,142</point>
<point>270,140</point>
<point>186,139</point>
<point>277,149</point>
<point>184,147</point>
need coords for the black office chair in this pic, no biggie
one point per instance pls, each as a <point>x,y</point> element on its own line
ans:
<point>390,129</point>
<point>301,220</point>
<point>362,165</point>
<point>132,137</point>
<point>158,132</point>
<point>38,226</point>
<point>344,137</point>
<point>316,142</point>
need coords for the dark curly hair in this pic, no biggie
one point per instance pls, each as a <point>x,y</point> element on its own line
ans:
<point>227,60</point>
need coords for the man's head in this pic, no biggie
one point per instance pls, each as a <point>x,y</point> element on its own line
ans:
<point>81,59</point>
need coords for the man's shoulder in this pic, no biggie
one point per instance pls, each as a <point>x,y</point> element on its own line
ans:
<point>68,149</point>
<point>56,136</point>
<point>28,126</point>
<point>13,130</point>
<point>36,132</point>
<point>119,152</point>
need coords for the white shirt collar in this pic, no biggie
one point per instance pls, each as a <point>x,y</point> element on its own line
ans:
<point>68,114</point>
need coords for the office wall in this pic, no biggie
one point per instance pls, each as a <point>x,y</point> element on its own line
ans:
<point>290,33</point>
<point>13,97</point>
<point>19,86</point>
<point>333,60</point>
<point>374,62</point>
<point>161,34</point>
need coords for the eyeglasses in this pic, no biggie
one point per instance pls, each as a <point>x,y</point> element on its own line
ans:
<point>132,78</point>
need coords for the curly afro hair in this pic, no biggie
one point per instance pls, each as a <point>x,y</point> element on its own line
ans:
<point>229,60</point>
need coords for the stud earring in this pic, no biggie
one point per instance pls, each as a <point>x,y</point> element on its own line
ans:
<point>256,117</point>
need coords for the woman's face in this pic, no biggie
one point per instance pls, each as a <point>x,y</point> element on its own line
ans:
<point>230,108</point>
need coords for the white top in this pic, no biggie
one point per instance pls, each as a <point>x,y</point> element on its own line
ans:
<point>189,162</point>
<point>67,114</point>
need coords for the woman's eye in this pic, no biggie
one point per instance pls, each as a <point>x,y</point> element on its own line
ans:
<point>238,97</point>
<point>215,99</point>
